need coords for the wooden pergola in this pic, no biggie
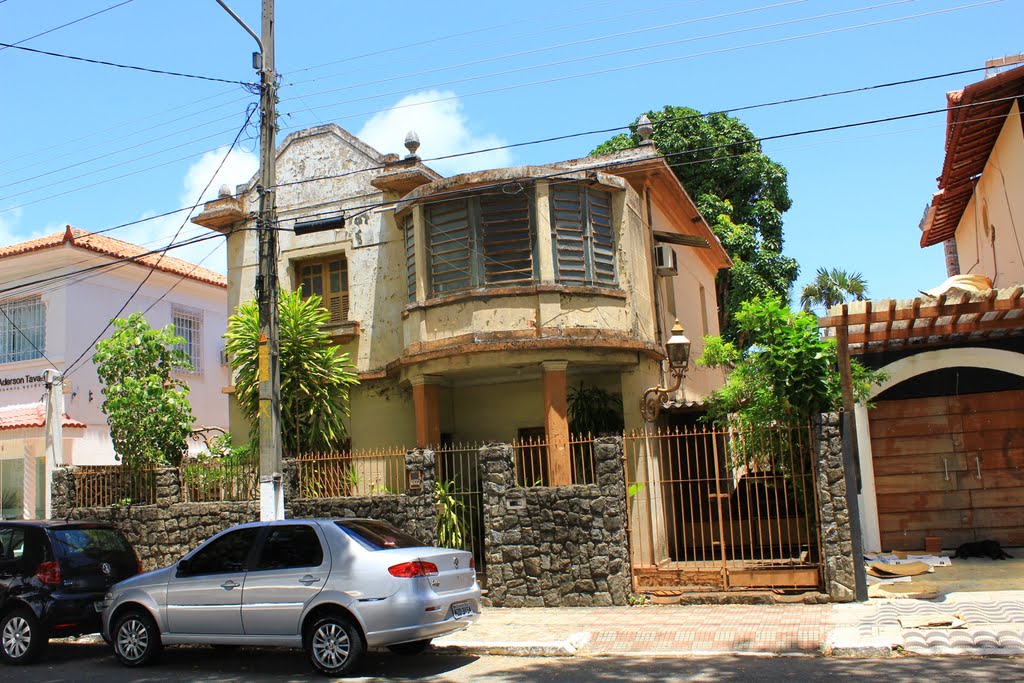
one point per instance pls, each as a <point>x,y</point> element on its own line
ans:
<point>958,316</point>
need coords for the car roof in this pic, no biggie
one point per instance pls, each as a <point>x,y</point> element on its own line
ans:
<point>58,523</point>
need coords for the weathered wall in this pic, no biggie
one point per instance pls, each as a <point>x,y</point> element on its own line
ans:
<point>556,546</point>
<point>836,541</point>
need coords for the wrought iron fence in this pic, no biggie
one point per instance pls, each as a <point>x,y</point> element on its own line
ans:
<point>738,505</point>
<point>217,479</point>
<point>106,485</point>
<point>352,473</point>
<point>459,493</point>
<point>533,457</point>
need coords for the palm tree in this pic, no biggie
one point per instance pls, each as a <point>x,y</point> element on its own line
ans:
<point>832,287</point>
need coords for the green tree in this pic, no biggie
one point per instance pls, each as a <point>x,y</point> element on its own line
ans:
<point>738,189</point>
<point>832,287</point>
<point>146,406</point>
<point>315,374</point>
<point>782,370</point>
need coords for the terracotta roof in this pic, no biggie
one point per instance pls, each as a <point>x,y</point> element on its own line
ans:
<point>971,132</point>
<point>101,244</point>
<point>31,415</point>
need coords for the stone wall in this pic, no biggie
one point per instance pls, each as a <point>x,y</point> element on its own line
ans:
<point>556,546</point>
<point>836,539</point>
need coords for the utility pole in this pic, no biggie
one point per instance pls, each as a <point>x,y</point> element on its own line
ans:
<point>54,439</point>
<point>271,479</point>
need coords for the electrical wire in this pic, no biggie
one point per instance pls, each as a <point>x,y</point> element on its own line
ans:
<point>3,309</point>
<point>72,367</point>
<point>70,23</point>
<point>101,62</point>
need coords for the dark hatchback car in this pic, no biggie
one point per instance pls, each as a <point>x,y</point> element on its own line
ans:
<point>51,575</point>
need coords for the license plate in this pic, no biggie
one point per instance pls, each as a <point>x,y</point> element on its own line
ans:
<point>461,609</point>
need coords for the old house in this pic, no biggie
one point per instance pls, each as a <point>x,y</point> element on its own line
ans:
<point>473,305</point>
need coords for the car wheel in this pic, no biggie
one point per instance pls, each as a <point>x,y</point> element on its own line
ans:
<point>22,638</point>
<point>413,648</point>
<point>334,645</point>
<point>136,639</point>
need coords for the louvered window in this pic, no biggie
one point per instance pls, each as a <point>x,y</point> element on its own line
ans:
<point>328,279</point>
<point>583,235</point>
<point>478,242</point>
<point>22,329</point>
<point>409,231</point>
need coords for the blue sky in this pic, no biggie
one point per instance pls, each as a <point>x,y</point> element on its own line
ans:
<point>97,146</point>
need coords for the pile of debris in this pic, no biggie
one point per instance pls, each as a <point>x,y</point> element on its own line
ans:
<point>889,574</point>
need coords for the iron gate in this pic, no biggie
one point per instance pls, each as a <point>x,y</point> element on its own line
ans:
<point>720,509</point>
<point>460,510</point>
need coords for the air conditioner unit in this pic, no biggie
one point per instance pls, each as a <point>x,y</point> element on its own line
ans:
<point>665,263</point>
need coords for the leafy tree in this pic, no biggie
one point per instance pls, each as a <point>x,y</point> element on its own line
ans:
<point>782,371</point>
<point>315,375</point>
<point>592,410</point>
<point>146,406</point>
<point>832,287</point>
<point>740,192</point>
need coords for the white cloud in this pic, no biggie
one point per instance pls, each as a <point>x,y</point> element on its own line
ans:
<point>442,128</point>
<point>11,231</point>
<point>239,168</point>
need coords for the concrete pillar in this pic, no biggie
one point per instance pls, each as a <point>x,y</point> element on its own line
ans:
<point>426,398</point>
<point>556,423</point>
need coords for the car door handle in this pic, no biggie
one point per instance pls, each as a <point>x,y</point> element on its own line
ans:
<point>229,584</point>
<point>308,579</point>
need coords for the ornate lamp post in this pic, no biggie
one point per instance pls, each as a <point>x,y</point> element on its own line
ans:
<point>677,349</point>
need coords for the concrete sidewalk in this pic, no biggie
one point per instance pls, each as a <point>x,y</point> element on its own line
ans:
<point>994,626</point>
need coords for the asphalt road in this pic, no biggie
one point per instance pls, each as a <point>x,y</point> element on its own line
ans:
<point>87,662</point>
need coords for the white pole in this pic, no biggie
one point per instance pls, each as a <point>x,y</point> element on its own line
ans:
<point>54,430</point>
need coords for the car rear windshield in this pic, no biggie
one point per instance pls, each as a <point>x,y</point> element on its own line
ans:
<point>85,545</point>
<point>377,535</point>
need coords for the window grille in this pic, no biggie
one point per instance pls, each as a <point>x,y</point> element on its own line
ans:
<point>22,329</point>
<point>188,325</point>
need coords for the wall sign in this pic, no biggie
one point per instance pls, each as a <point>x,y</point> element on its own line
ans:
<point>21,381</point>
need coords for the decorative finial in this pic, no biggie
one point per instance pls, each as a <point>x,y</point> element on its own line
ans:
<point>224,192</point>
<point>644,129</point>
<point>412,143</point>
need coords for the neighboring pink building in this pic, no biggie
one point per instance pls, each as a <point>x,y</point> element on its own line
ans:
<point>58,292</point>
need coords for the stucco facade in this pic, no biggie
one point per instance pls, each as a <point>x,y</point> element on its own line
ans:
<point>485,349</point>
<point>990,236</point>
<point>62,319</point>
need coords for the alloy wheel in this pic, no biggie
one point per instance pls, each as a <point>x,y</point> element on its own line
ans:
<point>331,645</point>
<point>17,637</point>
<point>132,639</point>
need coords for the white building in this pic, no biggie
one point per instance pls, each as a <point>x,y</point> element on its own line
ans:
<point>56,294</point>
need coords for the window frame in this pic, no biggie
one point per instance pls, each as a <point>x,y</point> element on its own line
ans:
<point>595,202</point>
<point>20,341</point>
<point>327,292</point>
<point>191,332</point>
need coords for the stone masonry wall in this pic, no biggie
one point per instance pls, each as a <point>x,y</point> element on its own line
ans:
<point>836,541</point>
<point>562,546</point>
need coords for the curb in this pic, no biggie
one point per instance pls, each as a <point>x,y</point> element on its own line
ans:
<point>558,648</point>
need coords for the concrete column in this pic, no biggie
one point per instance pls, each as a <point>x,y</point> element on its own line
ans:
<point>426,395</point>
<point>556,423</point>
<point>868,497</point>
<point>545,253</point>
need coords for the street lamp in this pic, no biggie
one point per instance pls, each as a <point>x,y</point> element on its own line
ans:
<point>677,349</point>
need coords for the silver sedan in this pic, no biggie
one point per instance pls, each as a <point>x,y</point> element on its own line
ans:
<point>331,587</point>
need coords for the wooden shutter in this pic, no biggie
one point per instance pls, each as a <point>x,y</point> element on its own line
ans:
<point>506,238</point>
<point>567,224</point>
<point>449,236</point>
<point>599,210</point>
<point>409,230</point>
<point>336,297</point>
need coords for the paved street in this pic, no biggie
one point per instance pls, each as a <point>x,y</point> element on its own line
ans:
<point>92,662</point>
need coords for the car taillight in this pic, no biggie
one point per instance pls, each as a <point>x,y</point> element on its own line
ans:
<point>48,573</point>
<point>472,563</point>
<point>408,570</point>
<point>138,564</point>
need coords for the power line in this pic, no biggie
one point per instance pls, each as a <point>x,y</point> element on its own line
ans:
<point>57,28</point>
<point>71,368</point>
<point>666,60</point>
<point>15,46</point>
